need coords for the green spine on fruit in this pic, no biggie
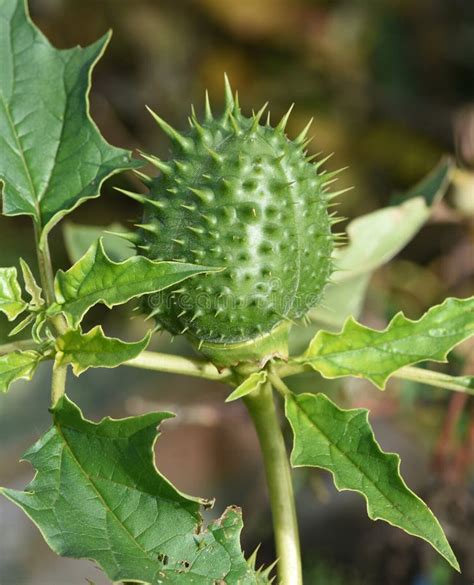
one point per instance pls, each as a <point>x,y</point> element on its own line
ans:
<point>239,195</point>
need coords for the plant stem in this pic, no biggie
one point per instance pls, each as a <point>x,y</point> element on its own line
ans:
<point>461,384</point>
<point>278,384</point>
<point>261,407</point>
<point>58,383</point>
<point>18,346</point>
<point>429,377</point>
<point>162,362</point>
<point>45,267</point>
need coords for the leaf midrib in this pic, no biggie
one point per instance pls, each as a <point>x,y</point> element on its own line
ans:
<point>93,295</point>
<point>346,456</point>
<point>99,495</point>
<point>376,343</point>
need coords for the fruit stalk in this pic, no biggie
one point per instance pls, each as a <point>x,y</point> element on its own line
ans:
<point>261,407</point>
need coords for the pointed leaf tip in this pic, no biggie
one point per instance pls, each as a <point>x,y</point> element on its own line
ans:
<point>95,279</point>
<point>342,442</point>
<point>252,383</point>
<point>40,177</point>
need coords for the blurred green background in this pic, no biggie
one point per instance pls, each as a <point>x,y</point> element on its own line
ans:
<point>391,86</point>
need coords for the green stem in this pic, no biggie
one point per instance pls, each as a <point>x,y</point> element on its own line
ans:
<point>429,377</point>
<point>438,379</point>
<point>45,266</point>
<point>58,383</point>
<point>173,364</point>
<point>261,407</point>
<point>18,346</point>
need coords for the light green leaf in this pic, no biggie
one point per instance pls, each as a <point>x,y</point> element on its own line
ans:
<point>18,365</point>
<point>253,382</point>
<point>95,350</point>
<point>342,442</point>
<point>98,495</point>
<point>79,238</point>
<point>374,239</point>
<point>52,157</point>
<point>23,324</point>
<point>96,279</point>
<point>31,285</point>
<point>11,303</point>
<point>366,353</point>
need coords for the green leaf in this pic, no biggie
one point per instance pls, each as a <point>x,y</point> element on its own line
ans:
<point>31,285</point>
<point>366,353</point>
<point>342,442</point>
<point>79,238</point>
<point>52,156</point>
<point>374,239</point>
<point>96,279</point>
<point>95,350</point>
<point>18,365</point>
<point>23,324</point>
<point>253,382</point>
<point>98,495</point>
<point>11,303</point>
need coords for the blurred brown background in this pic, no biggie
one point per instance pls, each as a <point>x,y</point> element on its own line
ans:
<point>391,86</point>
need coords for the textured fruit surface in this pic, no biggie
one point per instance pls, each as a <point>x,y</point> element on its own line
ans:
<point>239,195</point>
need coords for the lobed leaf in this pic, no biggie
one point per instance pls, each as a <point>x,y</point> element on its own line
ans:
<point>253,382</point>
<point>17,365</point>
<point>98,495</point>
<point>342,442</point>
<point>367,353</point>
<point>11,303</point>
<point>95,350</point>
<point>52,156</point>
<point>96,279</point>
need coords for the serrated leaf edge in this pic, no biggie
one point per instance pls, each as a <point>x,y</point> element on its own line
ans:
<point>352,324</point>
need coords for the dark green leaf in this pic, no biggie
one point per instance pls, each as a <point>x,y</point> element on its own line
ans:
<point>16,366</point>
<point>95,350</point>
<point>96,279</point>
<point>98,495</point>
<point>52,156</point>
<point>342,442</point>
<point>375,355</point>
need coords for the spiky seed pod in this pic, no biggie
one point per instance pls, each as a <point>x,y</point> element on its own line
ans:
<point>239,195</point>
